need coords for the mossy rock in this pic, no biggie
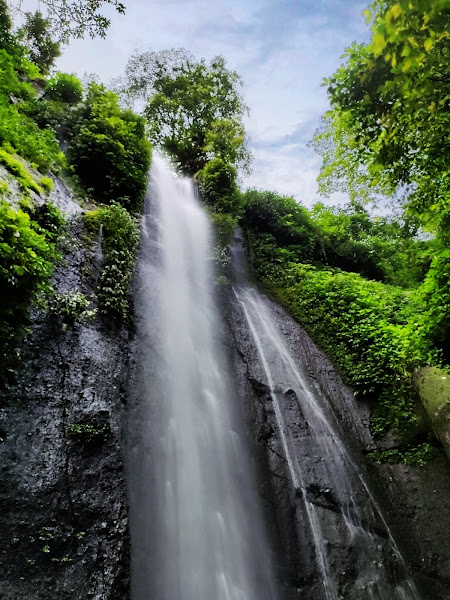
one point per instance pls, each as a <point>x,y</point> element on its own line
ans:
<point>433,386</point>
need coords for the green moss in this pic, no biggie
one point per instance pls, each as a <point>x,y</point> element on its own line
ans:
<point>27,205</point>
<point>18,169</point>
<point>4,187</point>
<point>433,386</point>
<point>418,455</point>
<point>46,183</point>
<point>87,433</point>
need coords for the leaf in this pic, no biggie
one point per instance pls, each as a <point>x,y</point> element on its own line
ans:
<point>19,269</point>
<point>378,43</point>
<point>407,65</point>
<point>368,15</point>
<point>428,44</point>
<point>396,11</point>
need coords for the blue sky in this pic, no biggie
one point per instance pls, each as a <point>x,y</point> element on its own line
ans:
<point>281,48</point>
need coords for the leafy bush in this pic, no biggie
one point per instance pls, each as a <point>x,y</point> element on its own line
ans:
<point>16,128</point>
<point>71,307</point>
<point>64,88</point>
<point>223,226</point>
<point>435,295</point>
<point>24,136</point>
<point>27,258</point>
<point>218,186</point>
<point>282,217</point>
<point>385,248</point>
<point>51,220</point>
<point>120,245</point>
<point>109,152</point>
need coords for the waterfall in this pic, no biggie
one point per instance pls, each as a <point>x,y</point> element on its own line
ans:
<point>346,527</point>
<point>195,522</point>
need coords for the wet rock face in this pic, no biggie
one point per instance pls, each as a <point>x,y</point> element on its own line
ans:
<point>413,500</point>
<point>63,522</point>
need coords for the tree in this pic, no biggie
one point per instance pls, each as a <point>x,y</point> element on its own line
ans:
<point>109,151</point>
<point>36,36</point>
<point>78,18</point>
<point>390,103</point>
<point>193,108</point>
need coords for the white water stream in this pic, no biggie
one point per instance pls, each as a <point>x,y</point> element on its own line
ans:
<point>195,521</point>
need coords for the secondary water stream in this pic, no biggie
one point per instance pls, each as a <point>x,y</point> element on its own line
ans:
<point>195,521</point>
<point>342,515</point>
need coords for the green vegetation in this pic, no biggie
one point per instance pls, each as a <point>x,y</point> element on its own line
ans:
<point>17,168</point>
<point>120,243</point>
<point>36,37</point>
<point>420,455</point>
<point>376,332</point>
<point>114,141</point>
<point>373,291</point>
<point>194,110</point>
<point>386,133</point>
<point>84,432</point>
<point>388,128</point>
<point>71,307</point>
<point>28,253</point>
<point>97,132</point>
<point>65,88</point>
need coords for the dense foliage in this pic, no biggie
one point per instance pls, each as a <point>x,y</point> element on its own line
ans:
<point>109,155</point>
<point>377,334</point>
<point>36,36</point>
<point>109,151</point>
<point>120,241</point>
<point>388,128</point>
<point>28,253</point>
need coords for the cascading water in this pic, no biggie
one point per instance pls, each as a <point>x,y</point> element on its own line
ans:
<point>326,479</point>
<point>196,531</point>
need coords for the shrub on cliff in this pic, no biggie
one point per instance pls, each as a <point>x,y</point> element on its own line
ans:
<point>27,257</point>
<point>109,152</point>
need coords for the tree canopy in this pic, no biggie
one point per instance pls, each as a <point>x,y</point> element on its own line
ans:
<point>194,110</point>
<point>388,129</point>
<point>36,36</point>
<point>77,18</point>
<point>390,116</point>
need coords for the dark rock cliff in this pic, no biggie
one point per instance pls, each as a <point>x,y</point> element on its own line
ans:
<point>63,522</point>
